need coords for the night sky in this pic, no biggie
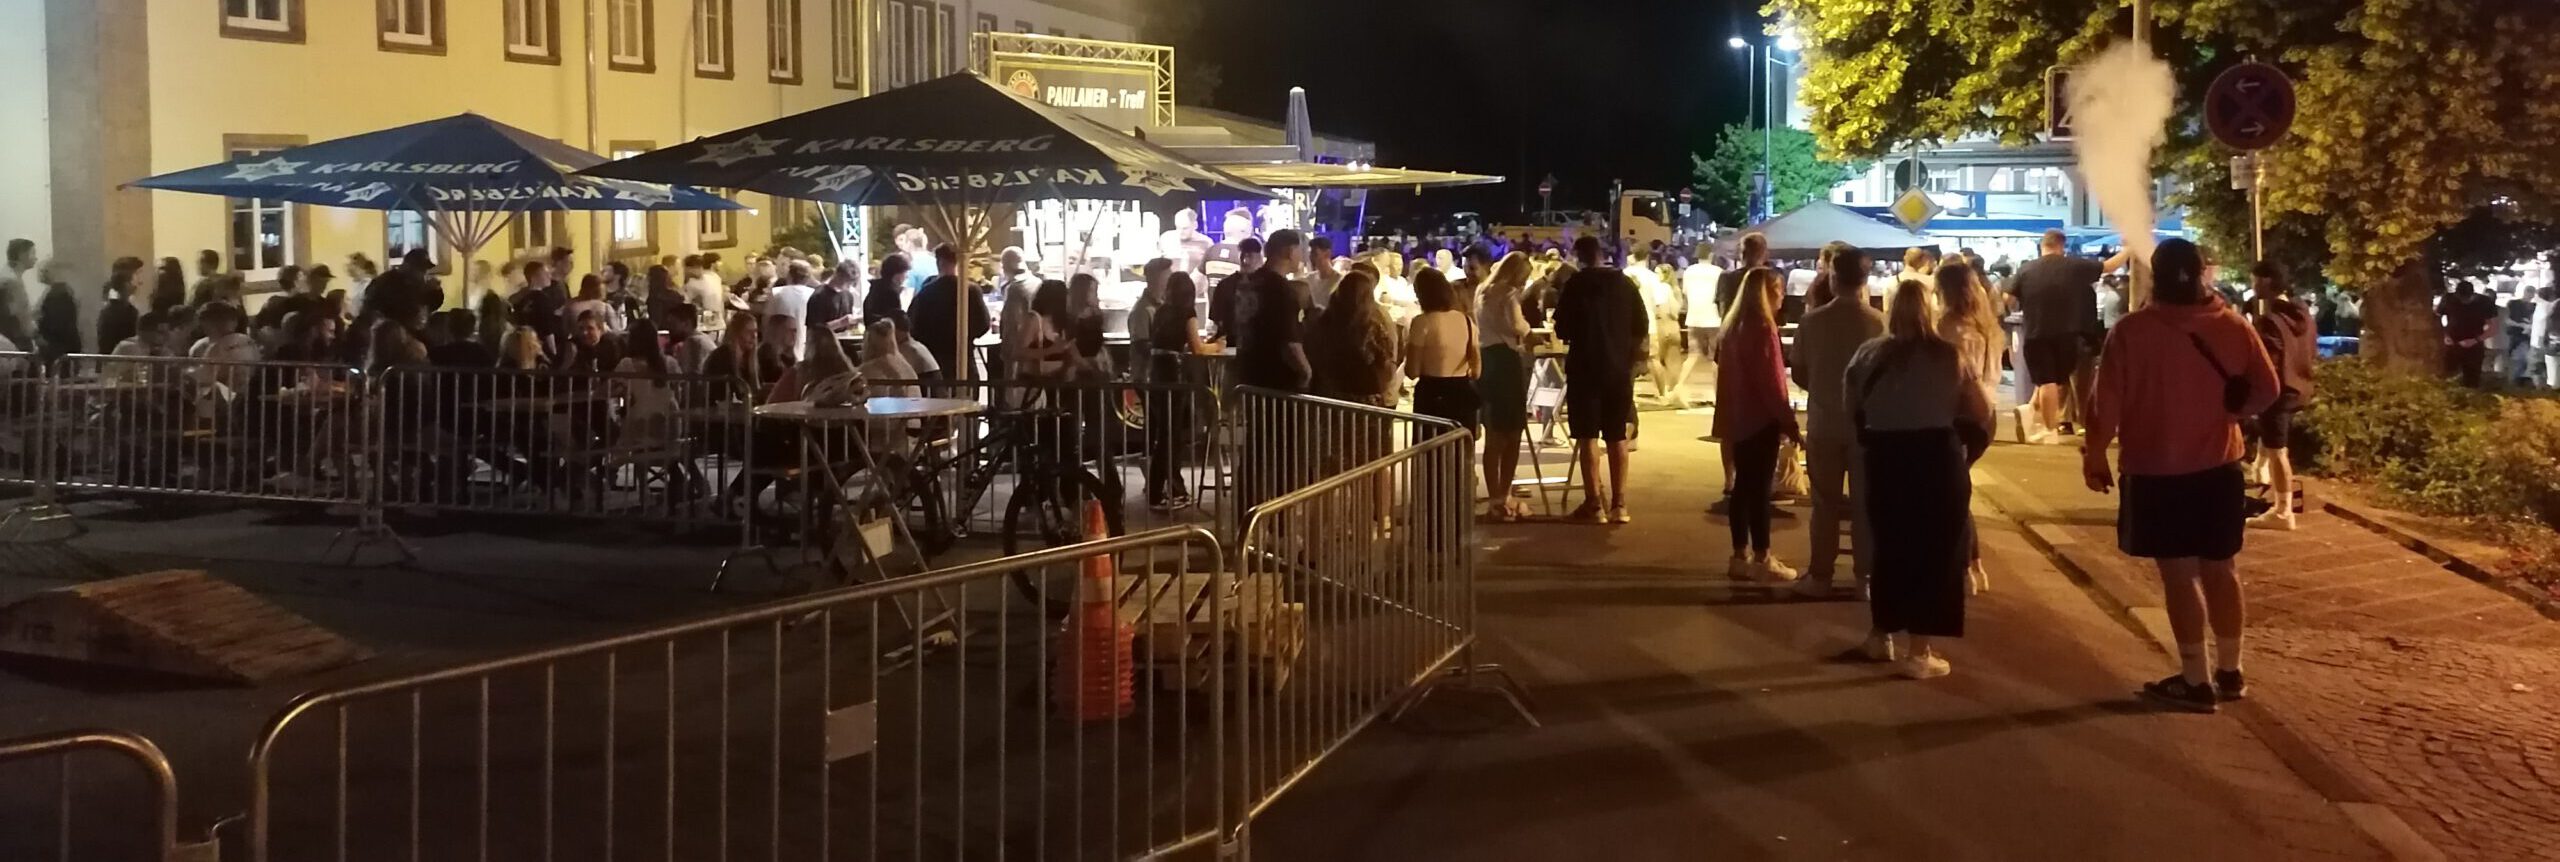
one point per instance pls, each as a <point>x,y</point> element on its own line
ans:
<point>1585,89</point>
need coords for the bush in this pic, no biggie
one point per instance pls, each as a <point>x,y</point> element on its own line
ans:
<point>2435,447</point>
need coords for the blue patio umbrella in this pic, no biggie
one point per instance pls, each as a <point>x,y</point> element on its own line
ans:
<point>467,173</point>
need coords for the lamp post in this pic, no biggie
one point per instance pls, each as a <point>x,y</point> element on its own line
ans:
<point>1765,99</point>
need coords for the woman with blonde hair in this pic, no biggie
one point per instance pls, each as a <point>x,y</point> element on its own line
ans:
<point>1753,413</point>
<point>521,350</point>
<point>1502,382</point>
<point>1921,420</point>
<point>1965,319</point>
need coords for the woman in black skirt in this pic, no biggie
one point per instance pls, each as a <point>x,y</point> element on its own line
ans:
<point>1916,404</point>
<point>1440,355</point>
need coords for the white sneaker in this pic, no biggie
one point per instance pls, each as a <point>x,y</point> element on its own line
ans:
<point>1814,588</point>
<point>1776,572</point>
<point>1742,569</point>
<point>1978,579</point>
<point>1926,666</point>
<point>2025,414</point>
<point>2276,519</point>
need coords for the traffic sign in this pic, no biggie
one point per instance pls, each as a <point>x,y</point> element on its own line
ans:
<point>1914,209</point>
<point>1910,174</point>
<point>2057,103</point>
<point>2250,106</point>
<point>1547,186</point>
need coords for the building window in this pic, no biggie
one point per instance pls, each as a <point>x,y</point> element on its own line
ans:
<point>413,26</point>
<point>262,234</point>
<point>533,30</point>
<point>403,230</point>
<point>1060,32</point>
<point>711,41</point>
<point>946,41</point>
<point>631,41</point>
<point>535,233</point>
<point>1022,26</point>
<point>782,20</point>
<point>847,24</point>
<point>634,231</point>
<point>894,61</point>
<point>919,43</point>
<point>268,20</point>
<point>978,47</point>
<point>718,228</point>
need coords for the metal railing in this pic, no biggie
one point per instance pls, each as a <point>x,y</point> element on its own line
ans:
<point>23,423</point>
<point>45,813</point>
<point>658,448</point>
<point>196,427</point>
<point>811,728</point>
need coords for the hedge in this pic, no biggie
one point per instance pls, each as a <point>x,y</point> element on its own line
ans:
<point>2437,448</point>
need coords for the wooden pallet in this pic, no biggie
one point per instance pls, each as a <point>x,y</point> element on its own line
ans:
<point>1176,624</point>
<point>176,622</point>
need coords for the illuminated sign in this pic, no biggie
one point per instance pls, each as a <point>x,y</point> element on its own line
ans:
<point>1120,95</point>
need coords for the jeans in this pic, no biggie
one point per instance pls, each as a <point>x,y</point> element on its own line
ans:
<point>1755,466</point>
<point>1827,463</point>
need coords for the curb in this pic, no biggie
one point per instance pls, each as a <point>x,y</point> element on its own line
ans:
<point>2428,548</point>
<point>2147,620</point>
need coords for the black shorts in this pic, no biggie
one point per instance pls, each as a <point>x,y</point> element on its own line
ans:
<point>2275,428</point>
<point>2196,516</point>
<point>2051,359</point>
<point>1598,405</point>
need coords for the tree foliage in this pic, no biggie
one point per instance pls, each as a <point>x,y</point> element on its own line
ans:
<point>1799,173</point>
<point>2415,115</point>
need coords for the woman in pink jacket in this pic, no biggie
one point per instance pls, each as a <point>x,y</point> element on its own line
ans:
<point>2173,382</point>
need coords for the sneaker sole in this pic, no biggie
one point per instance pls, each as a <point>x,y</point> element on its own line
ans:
<point>2179,705</point>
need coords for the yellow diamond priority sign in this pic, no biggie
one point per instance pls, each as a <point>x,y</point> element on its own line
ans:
<point>1914,209</point>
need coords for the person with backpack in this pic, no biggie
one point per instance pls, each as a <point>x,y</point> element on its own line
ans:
<point>2286,329</point>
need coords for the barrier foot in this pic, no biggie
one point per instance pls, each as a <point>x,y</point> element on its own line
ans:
<point>369,530</point>
<point>17,521</point>
<point>1470,677</point>
<point>722,574</point>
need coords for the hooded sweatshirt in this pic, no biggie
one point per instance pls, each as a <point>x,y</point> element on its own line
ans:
<point>2291,338</point>
<point>2162,396</point>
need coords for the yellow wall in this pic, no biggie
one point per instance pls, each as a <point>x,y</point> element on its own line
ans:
<point>339,82</point>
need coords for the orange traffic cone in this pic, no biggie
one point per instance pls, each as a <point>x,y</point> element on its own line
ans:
<point>1095,665</point>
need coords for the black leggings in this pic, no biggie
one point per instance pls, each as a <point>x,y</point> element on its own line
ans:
<point>1755,469</point>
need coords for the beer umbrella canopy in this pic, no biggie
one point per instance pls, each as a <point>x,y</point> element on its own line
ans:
<point>959,139</point>
<point>469,174</point>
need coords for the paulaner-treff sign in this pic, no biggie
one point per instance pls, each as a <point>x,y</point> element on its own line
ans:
<point>1119,95</point>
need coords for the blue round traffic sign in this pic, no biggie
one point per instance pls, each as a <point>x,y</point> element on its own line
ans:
<point>2250,106</point>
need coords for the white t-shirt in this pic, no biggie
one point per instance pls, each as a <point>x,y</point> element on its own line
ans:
<point>236,347</point>
<point>1698,283</point>
<point>792,300</point>
<point>570,313</point>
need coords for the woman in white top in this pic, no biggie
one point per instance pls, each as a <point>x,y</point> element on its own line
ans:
<point>648,403</point>
<point>591,299</point>
<point>1440,353</point>
<point>1502,379</point>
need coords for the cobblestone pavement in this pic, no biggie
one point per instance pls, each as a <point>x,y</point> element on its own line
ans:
<point>2433,694</point>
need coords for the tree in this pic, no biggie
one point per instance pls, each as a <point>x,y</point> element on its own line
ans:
<point>2414,115</point>
<point>1800,173</point>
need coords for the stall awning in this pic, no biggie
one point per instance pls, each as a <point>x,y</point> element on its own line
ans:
<point>1317,175</point>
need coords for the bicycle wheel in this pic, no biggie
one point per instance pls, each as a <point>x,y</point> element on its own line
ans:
<point>1048,512</point>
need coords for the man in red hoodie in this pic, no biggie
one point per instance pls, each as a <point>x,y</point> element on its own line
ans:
<point>2177,378</point>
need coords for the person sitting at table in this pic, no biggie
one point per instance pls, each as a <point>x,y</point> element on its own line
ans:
<point>738,363</point>
<point>591,300</point>
<point>884,366</point>
<point>774,350</point>
<point>649,420</point>
<point>453,341</point>
<point>150,339</point>
<point>223,342</point>
<point>826,373</point>
<point>687,347</point>
<point>308,337</point>
<point>590,351</point>
<point>521,350</point>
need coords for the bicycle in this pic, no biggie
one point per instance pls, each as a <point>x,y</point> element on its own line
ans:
<point>1044,449</point>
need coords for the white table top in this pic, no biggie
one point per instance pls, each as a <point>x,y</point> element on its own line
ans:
<point>876,408</point>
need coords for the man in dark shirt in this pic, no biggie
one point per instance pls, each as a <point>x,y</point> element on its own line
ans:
<point>887,298</point>
<point>1268,324</point>
<point>1601,318</point>
<point>2058,300</point>
<point>936,309</point>
<point>2467,316</point>
<point>1755,254</point>
<point>2285,328</point>
<point>1222,298</point>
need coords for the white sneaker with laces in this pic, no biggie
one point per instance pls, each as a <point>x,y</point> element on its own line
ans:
<point>1878,648</point>
<point>1776,572</point>
<point>2276,519</point>
<point>1742,569</point>
<point>1926,666</point>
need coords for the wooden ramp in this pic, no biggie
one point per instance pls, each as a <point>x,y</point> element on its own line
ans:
<point>175,622</point>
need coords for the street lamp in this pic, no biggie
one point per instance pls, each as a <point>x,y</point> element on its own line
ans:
<point>1736,43</point>
<point>1765,103</point>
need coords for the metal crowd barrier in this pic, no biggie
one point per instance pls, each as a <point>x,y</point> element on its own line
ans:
<point>658,448</point>
<point>44,812</point>
<point>818,727</point>
<point>23,424</point>
<point>195,427</point>
<point>1359,580</point>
